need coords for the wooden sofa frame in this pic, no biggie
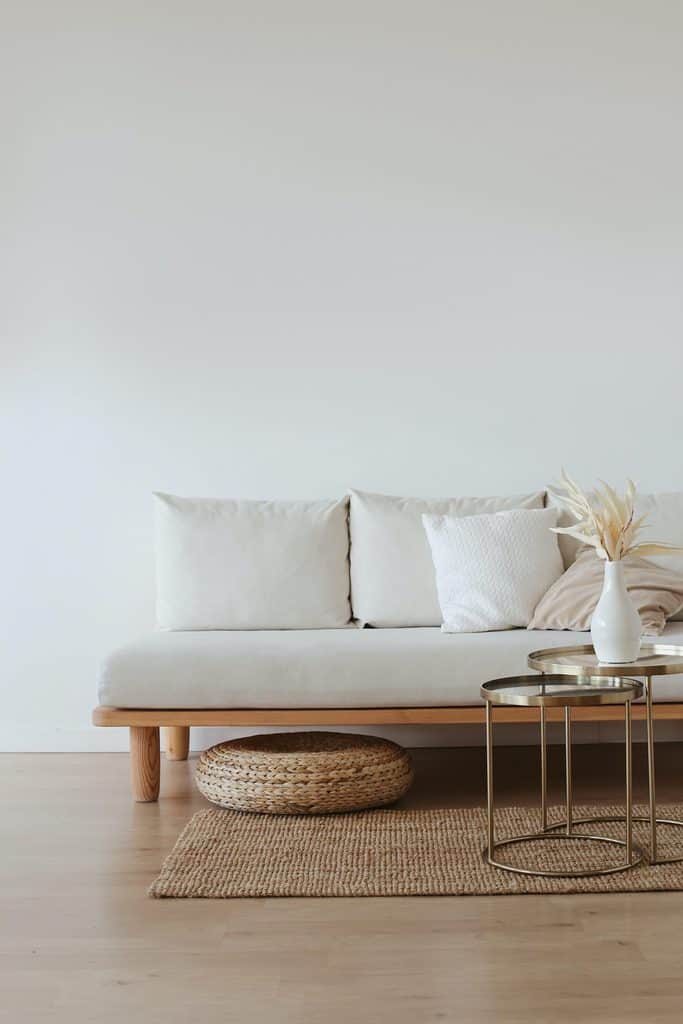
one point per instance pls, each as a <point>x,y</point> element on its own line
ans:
<point>144,726</point>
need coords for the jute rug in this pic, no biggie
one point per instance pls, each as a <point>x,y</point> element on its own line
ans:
<point>224,854</point>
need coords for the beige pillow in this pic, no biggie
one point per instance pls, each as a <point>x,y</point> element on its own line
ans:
<point>570,602</point>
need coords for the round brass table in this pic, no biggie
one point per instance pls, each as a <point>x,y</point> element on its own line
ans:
<point>656,659</point>
<point>559,691</point>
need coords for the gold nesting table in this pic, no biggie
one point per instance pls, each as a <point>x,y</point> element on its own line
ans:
<point>552,691</point>
<point>580,663</point>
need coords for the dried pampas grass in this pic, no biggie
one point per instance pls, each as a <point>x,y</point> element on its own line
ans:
<point>606,521</point>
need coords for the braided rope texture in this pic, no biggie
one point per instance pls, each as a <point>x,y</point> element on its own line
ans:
<point>223,854</point>
<point>304,773</point>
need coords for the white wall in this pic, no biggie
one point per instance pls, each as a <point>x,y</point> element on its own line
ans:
<point>275,249</point>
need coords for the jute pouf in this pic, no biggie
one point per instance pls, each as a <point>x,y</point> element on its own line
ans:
<point>304,773</point>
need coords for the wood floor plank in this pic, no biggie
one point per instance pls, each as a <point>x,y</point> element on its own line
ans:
<point>80,941</point>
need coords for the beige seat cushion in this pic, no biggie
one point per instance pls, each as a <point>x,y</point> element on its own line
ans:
<point>570,602</point>
<point>327,668</point>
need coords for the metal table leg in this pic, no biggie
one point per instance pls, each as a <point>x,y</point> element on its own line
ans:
<point>544,775</point>
<point>489,778</point>
<point>629,781</point>
<point>568,768</point>
<point>651,818</point>
<point>651,770</point>
<point>546,832</point>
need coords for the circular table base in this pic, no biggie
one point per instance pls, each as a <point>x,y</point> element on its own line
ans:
<point>581,873</point>
<point>622,819</point>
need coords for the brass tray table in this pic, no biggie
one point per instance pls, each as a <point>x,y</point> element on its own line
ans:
<point>559,691</point>
<point>656,659</point>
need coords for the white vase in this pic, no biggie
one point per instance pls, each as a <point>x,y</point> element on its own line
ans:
<point>615,626</point>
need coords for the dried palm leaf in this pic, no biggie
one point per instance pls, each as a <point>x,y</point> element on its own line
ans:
<point>605,520</point>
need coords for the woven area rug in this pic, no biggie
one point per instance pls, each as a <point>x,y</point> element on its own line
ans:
<point>224,854</point>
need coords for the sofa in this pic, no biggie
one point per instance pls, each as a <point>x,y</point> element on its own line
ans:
<point>319,613</point>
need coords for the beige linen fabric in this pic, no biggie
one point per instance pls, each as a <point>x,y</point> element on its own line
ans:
<point>664,523</point>
<point>571,600</point>
<point>245,565</point>
<point>327,668</point>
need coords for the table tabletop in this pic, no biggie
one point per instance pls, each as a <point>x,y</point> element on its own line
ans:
<point>580,660</point>
<point>560,691</point>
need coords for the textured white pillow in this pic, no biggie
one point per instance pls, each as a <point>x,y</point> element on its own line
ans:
<point>492,570</point>
<point>392,575</point>
<point>251,564</point>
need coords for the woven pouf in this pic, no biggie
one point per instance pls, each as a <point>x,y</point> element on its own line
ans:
<point>304,773</point>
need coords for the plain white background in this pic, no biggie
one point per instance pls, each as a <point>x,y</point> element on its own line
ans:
<point>258,249</point>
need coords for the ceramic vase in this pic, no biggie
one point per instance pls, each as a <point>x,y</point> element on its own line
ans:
<point>615,626</point>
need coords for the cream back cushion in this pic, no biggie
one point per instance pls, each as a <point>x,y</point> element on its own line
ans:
<point>569,546</point>
<point>664,523</point>
<point>392,573</point>
<point>251,564</point>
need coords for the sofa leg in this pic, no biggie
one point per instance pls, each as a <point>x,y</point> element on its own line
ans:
<point>177,742</point>
<point>144,762</point>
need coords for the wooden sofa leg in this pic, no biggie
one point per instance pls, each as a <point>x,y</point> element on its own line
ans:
<point>177,742</point>
<point>144,762</point>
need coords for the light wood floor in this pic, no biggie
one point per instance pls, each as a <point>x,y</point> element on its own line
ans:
<point>80,941</point>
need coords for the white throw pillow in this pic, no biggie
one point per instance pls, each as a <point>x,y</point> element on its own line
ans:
<point>392,575</point>
<point>251,564</point>
<point>492,570</point>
